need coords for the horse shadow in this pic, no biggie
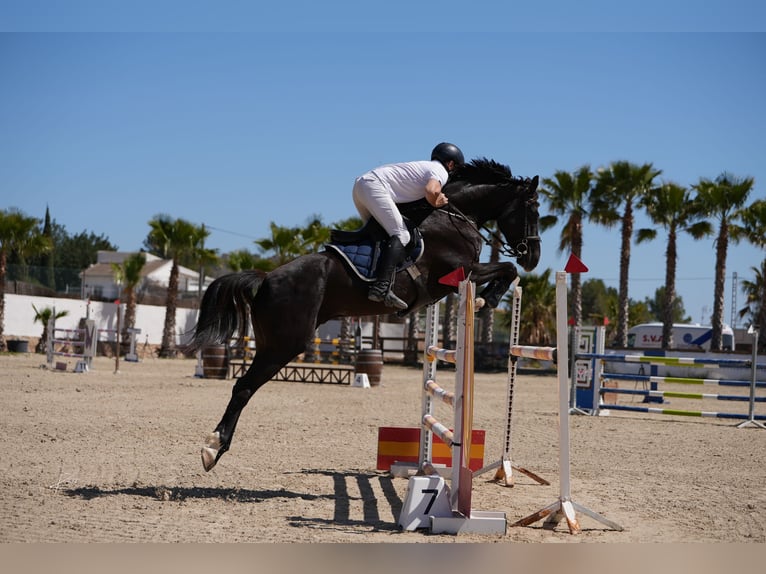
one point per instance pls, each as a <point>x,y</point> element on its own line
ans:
<point>371,515</point>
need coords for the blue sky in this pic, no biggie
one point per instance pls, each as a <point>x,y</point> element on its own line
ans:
<point>241,118</point>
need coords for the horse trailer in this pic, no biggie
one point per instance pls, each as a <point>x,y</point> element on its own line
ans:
<point>685,336</point>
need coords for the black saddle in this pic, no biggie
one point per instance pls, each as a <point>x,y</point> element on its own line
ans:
<point>360,250</point>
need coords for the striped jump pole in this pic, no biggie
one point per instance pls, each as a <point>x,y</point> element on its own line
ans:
<point>504,466</point>
<point>425,452</point>
<point>600,376</point>
<point>564,507</point>
<point>457,516</point>
<point>461,400</point>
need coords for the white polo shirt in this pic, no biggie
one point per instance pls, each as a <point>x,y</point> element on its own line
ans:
<point>408,180</point>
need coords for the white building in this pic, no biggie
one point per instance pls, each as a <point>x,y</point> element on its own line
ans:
<point>98,279</point>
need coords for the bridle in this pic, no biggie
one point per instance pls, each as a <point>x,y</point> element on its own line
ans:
<point>494,237</point>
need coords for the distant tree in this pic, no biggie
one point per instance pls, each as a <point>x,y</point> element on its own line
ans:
<point>284,244</point>
<point>242,260</point>
<point>538,309</point>
<point>348,224</point>
<point>48,277</point>
<point>128,275</point>
<point>314,235</point>
<point>44,316</point>
<point>69,255</point>
<point>617,189</point>
<point>201,257</point>
<point>724,201</point>
<point>639,312</point>
<point>753,229</point>
<point>671,207</point>
<point>568,197</point>
<point>597,299</point>
<point>19,235</point>
<point>754,310</point>
<point>176,239</point>
<point>657,304</point>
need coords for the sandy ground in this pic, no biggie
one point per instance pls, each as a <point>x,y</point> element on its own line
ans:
<point>105,457</point>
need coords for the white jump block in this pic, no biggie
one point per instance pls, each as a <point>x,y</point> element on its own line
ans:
<point>427,505</point>
<point>81,367</point>
<point>427,496</point>
<point>361,380</point>
<point>480,522</point>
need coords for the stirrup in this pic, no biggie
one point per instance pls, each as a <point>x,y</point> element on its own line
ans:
<point>393,301</point>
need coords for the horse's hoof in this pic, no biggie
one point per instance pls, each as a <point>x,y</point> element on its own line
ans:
<point>480,302</point>
<point>210,451</point>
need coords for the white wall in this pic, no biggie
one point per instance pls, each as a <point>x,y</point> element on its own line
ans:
<point>19,318</point>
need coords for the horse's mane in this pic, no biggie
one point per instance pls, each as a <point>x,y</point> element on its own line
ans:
<point>482,171</point>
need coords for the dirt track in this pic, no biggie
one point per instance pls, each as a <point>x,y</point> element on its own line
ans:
<point>104,457</point>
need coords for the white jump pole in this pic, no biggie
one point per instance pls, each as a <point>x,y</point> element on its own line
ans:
<point>504,466</point>
<point>564,507</point>
<point>753,379</point>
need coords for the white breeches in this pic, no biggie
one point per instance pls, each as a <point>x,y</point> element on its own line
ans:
<point>373,198</point>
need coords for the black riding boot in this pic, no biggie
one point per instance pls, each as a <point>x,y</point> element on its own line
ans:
<point>381,290</point>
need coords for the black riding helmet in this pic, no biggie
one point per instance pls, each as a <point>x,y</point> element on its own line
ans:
<point>446,152</point>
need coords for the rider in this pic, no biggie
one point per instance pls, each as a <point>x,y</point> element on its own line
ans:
<point>376,194</point>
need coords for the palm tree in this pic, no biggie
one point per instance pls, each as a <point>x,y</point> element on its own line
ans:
<point>241,260</point>
<point>670,206</point>
<point>568,196</point>
<point>21,235</point>
<point>753,229</point>
<point>201,257</point>
<point>314,235</point>
<point>538,313</point>
<point>755,302</point>
<point>128,275</point>
<point>44,315</point>
<point>175,239</point>
<point>619,187</point>
<point>723,200</point>
<point>284,243</point>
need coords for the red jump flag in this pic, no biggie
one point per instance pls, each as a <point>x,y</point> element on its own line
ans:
<point>574,265</point>
<point>453,278</point>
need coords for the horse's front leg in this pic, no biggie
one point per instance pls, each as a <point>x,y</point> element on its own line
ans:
<point>497,277</point>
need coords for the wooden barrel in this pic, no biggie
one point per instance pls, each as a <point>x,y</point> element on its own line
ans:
<point>215,362</point>
<point>370,361</point>
<point>17,345</point>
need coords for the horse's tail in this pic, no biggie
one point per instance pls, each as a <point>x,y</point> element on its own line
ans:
<point>225,308</point>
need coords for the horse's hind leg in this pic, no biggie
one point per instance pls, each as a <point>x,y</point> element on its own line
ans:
<point>262,369</point>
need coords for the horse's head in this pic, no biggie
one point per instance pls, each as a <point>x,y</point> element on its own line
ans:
<point>487,191</point>
<point>519,225</point>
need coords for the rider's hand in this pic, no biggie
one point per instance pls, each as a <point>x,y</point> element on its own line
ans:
<point>439,200</point>
<point>434,194</point>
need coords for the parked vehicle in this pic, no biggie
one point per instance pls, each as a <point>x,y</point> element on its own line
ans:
<point>685,336</point>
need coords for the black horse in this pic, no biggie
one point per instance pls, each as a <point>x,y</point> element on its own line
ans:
<point>287,304</point>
